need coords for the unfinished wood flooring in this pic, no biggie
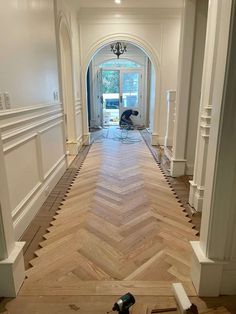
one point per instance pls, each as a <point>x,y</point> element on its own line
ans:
<point>120,229</point>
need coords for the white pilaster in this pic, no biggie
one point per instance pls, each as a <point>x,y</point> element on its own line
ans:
<point>197,185</point>
<point>178,161</point>
<point>170,101</point>
<point>214,256</point>
<point>11,257</point>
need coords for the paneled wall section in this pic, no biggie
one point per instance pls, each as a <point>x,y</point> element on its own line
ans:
<point>34,157</point>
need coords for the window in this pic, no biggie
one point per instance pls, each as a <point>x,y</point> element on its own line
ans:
<point>120,63</point>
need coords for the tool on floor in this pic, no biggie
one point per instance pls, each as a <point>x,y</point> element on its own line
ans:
<point>184,304</point>
<point>123,304</point>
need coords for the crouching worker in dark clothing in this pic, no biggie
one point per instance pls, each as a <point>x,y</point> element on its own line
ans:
<point>125,120</point>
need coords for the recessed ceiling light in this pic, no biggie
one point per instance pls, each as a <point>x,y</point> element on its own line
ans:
<point>118,1</point>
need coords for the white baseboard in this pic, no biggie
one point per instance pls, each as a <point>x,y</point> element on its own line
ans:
<point>35,203</point>
<point>12,272</point>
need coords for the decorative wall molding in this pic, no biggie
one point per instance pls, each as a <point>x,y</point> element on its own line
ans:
<point>171,107</point>
<point>197,185</point>
<point>34,203</point>
<point>196,196</point>
<point>78,106</point>
<point>205,122</point>
<point>27,133</point>
<point>25,121</point>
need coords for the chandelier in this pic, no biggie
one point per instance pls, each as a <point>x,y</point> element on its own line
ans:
<point>118,49</point>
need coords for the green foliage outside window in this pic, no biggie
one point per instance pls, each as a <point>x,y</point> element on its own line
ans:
<point>110,82</point>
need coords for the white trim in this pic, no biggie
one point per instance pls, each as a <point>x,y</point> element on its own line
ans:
<point>33,204</point>
<point>50,127</point>
<point>18,208</point>
<point>142,44</point>
<point>52,169</point>
<point>178,166</point>
<point>205,273</point>
<point>19,111</point>
<point>12,272</point>
<point>29,119</point>
<point>19,143</point>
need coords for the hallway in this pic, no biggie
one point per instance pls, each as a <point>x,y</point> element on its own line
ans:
<point>119,228</point>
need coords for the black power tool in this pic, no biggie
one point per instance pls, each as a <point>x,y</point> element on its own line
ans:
<point>124,303</point>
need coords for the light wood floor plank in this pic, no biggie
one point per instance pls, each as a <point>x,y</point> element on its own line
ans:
<point>120,227</point>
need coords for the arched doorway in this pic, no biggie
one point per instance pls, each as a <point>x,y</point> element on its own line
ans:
<point>67,88</point>
<point>154,83</point>
<point>115,85</point>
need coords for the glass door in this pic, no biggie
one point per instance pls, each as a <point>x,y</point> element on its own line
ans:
<point>130,93</point>
<point>120,90</point>
<point>110,97</point>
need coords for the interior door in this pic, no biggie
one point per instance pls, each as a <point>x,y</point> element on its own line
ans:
<point>131,93</point>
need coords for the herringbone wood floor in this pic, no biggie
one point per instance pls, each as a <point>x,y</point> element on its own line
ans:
<point>120,228</point>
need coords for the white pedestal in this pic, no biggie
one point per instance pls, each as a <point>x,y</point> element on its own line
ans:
<point>12,272</point>
<point>205,273</point>
<point>154,139</point>
<point>177,167</point>
<point>87,139</point>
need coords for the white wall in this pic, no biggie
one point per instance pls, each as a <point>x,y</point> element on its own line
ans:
<point>158,29</point>
<point>28,69</point>
<point>195,90</point>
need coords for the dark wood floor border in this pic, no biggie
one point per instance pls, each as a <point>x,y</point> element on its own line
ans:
<point>180,186</point>
<point>38,227</point>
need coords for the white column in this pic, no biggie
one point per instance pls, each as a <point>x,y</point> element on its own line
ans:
<point>170,101</point>
<point>214,256</point>
<point>12,272</point>
<point>178,160</point>
<point>197,185</point>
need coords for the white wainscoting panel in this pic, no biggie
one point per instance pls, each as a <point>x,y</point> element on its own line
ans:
<point>34,156</point>
<point>22,171</point>
<point>52,148</point>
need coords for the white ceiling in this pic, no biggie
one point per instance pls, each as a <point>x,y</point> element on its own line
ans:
<point>128,4</point>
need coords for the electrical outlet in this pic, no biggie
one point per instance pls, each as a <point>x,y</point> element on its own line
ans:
<point>2,102</point>
<point>7,100</point>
